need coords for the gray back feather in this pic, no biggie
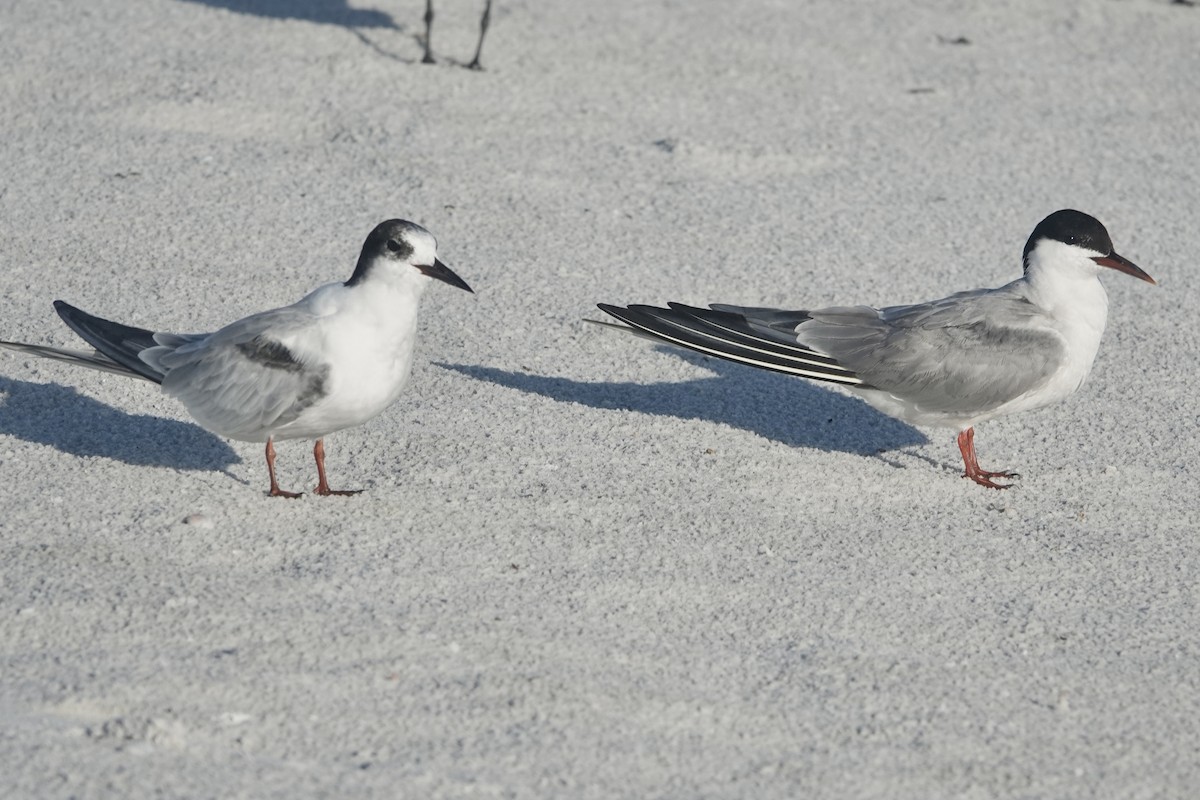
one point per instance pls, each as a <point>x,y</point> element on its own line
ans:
<point>969,352</point>
<point>966,353</point>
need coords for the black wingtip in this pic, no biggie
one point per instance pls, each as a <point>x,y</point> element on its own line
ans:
<point>712,333</point>
<point>624,314</point>
<point>121,343</point>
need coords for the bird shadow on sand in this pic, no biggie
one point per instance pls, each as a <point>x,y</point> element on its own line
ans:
<point>793,412</point>
<point>61,417</point>
<point>322,12</point>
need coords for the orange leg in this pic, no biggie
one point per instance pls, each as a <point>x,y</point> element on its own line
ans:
<point>275,490</point>
<point>966,445</point>
<point>322,484</point>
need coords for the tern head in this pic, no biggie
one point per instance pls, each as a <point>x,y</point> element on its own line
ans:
<point>1070,239</point>
<point>404,251</point>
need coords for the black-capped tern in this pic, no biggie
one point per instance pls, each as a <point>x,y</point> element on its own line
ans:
<point>954,362</point>
<point>333,360</point>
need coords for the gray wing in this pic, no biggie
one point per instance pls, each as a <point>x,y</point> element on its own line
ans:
<point>969,352</point>
<point>242,381</point>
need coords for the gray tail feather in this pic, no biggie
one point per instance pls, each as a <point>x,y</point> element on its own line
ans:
<point>120,343</point>
<point>731,336</point>
<point>92,360</point>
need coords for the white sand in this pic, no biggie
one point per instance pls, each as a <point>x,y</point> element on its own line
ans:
<point>585,566</point>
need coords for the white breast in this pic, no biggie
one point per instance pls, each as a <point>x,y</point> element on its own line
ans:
<point>1075,308</point>
<point>367,339</point>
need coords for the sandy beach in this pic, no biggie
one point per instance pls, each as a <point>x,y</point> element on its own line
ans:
<point>587,566</point>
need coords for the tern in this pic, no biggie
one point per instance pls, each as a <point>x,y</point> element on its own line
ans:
<point>954,362</point>
<point>333,360</point>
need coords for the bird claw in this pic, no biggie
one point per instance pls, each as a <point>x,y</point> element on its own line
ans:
<point>984,478</point>
<point>277,492</point>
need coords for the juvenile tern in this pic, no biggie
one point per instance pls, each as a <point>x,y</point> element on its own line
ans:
<point>333,360</point>
<point>954,362</point>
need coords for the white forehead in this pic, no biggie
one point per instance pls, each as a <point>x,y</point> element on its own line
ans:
<point>423,244</point>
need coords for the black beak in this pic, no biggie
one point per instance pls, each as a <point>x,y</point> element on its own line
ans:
<point>443,273</point>
<point>1122,264</point>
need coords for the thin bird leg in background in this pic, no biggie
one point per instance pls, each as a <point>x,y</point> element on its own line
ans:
<point>966,445</point>
<point>483,26</point>
<point>428,59</point>
<point>322,484</point>
<point>275,490</point>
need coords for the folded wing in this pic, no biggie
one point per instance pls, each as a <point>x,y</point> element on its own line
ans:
<point>730,335</point>
<point>966,353</point>
<point>243,381</point>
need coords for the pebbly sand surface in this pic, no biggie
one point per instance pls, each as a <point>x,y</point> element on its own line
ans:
<point>585,566</point>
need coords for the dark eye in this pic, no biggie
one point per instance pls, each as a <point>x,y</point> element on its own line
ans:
<point>393,245</point>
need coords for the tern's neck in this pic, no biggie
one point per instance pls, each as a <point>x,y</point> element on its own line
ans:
<point>387,292</point>
<point>1071,292</point>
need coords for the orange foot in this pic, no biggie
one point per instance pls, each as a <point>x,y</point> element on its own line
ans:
<point>966,446</point>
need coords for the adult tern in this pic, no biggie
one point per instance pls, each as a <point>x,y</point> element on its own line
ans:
<point>954,362</point>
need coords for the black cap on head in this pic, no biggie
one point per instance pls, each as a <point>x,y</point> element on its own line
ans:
<point>1070,227</point>
<point>389,239</point>
<point>1082,230</point>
